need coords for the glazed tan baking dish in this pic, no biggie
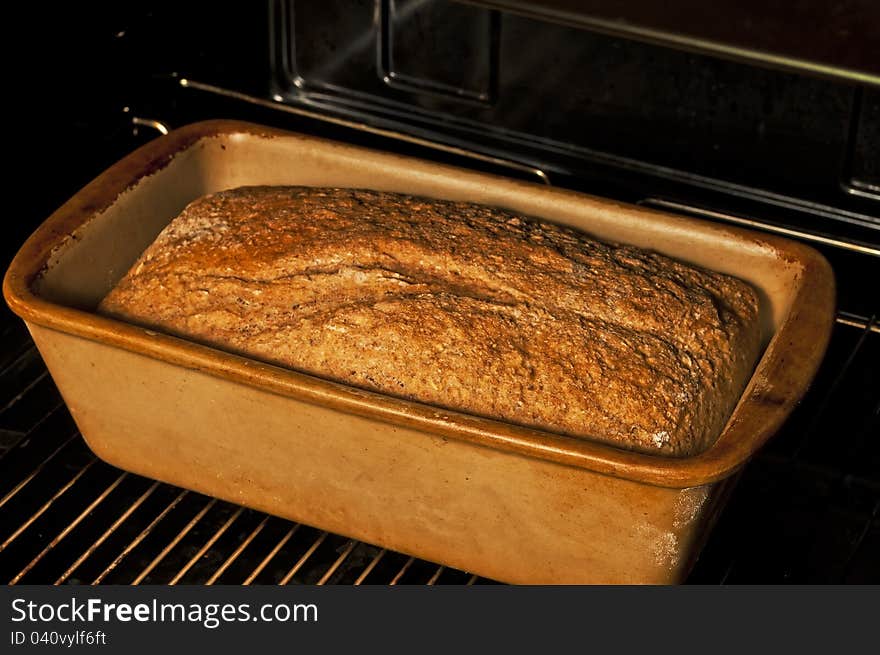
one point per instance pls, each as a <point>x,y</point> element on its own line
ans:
<point>506,502</point>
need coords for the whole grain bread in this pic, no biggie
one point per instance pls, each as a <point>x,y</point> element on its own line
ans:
<point>458,305</point>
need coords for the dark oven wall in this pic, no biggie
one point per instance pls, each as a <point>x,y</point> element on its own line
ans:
<point>723,140</point>
<point>605,115</point>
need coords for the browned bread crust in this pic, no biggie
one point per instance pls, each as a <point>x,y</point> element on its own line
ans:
<point>457,305</point>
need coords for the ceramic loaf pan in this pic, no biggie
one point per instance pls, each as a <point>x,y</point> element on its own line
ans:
<point>510,503</point>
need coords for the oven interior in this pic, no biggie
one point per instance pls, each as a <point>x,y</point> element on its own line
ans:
<point>733,141</point>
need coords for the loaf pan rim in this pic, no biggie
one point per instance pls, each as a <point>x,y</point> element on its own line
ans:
<point>797,346</point>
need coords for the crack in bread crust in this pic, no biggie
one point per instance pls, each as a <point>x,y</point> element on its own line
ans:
<point>457,305</point>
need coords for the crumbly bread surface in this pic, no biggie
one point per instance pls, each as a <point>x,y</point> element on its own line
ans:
<point>457,305</point>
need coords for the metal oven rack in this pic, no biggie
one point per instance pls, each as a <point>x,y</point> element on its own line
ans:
<point>806,510</point>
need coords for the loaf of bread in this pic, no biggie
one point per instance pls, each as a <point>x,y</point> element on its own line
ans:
<point>457,305</point>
